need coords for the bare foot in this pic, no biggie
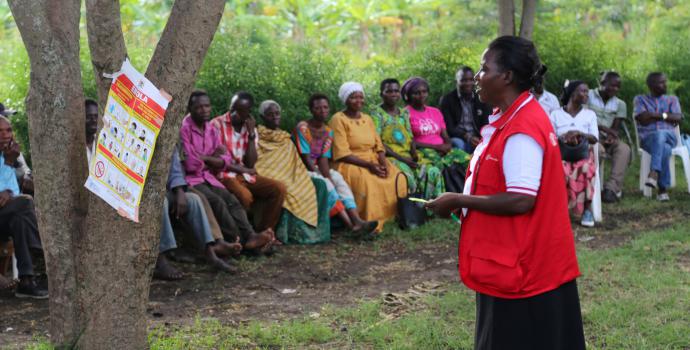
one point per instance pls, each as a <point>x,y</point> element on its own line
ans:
<point>224,248</point>
<point>165,271</point>
<point>7,283</point>
<point>258,240</point>
<point>364,228</point>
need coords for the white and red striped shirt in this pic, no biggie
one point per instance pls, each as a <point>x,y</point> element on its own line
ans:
<point>235,142</point>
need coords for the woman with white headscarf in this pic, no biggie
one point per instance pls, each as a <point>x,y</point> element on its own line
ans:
<point>361,158</point>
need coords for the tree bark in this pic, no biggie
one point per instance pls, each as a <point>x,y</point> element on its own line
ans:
<point>506,17</point>
<point>106,43</point>
<point>55,110</point>
<point>100,264</point>
<point>529,10</point>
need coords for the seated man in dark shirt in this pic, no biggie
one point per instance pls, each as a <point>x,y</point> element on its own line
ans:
<point>463,113</point>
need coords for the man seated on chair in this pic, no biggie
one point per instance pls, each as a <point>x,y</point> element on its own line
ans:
<point>611,112</point>
<point>658,115</point>
<point>17,218</point>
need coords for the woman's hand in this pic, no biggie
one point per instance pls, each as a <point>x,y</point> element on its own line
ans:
<point>378,170</point>
<point>444,204</point>
<point>571,137</point>
<point>444,148</point>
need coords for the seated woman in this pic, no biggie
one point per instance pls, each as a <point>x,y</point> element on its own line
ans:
<point>393,126</point>
<point>305,220</point>
<point>314,140</point>
<point>361,159</point>
<point>429,129</point>
<point>576,127</point>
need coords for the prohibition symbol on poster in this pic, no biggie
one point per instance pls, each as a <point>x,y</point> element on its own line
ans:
<point>100,169</point>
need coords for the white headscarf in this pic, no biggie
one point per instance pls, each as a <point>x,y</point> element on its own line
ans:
<point>268,103</point>
<point>348,88</point>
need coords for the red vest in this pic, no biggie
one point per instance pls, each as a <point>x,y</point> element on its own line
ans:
<point>521,255</point>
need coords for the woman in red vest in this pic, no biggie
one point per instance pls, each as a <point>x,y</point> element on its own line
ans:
<point>516,245</point>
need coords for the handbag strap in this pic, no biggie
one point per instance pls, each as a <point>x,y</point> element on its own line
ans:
<point>397,193</point>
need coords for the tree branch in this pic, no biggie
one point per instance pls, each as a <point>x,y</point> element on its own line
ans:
<point>529,10</point>
<point>106,43</point>
<point>506,17</point>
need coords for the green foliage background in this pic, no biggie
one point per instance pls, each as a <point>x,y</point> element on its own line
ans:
<point>287,49</point>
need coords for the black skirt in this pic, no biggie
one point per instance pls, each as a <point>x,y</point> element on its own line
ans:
<point>551,320</point>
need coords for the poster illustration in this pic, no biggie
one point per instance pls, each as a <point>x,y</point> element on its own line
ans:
<point>132,120</point>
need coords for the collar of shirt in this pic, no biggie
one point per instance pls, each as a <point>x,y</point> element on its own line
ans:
<point>188,122</point>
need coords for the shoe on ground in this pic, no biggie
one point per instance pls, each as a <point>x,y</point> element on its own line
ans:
<point>663,197</point>
<point>651,182</point>
<point>587,219</point>
<point>608,196</point>
<point>30,290</point>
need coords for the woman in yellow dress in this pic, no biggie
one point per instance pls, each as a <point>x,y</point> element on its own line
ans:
<point>361,158</point>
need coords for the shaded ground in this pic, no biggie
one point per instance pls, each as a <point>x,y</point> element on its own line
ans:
<point>302,279</point>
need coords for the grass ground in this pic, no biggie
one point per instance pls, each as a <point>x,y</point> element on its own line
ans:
<point>636,296</point>
<point>402,291</point>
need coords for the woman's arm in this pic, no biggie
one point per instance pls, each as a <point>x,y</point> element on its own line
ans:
<point>409,161</point>
<point>505,203</point>
<point>307,162</point>
<point>372,167</point>
<point>324,167</point>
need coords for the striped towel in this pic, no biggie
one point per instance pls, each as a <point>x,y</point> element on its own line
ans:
<point>278,160</point>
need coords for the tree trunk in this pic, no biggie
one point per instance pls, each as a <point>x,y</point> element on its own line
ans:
<point>529,10</point>
<point>506,17</point>
<point>100,264</point>
<point>55,108</point>
<point>117,319</point>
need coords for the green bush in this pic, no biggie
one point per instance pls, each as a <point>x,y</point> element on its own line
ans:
<point>246,56</point>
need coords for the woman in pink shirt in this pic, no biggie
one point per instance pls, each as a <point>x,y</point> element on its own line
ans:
<point>428,127</point>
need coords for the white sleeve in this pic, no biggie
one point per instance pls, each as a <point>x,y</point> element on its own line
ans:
<point>522,162</point>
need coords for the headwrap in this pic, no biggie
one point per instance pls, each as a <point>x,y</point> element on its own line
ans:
<point>411,85</point>
<point>348,88</point>
<point>268,103</point>
<point>568,89</point>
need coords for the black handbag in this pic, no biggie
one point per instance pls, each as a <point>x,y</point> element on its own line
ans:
<point>410,214</point>
<point>574,153</point>
<point>454,178</point>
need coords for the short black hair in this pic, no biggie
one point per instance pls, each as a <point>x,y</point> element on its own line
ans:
<point>465,69</point>
<point>90,102</point>
<point>653,75</point>
<point>315,97</point>
<point>386,82</point>
<point>519,56</point>
<point>244,95</point>
<point>193,96</point>
<point>569,89</point>
<point>608,74</point>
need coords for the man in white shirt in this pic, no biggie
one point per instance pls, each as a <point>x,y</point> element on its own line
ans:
<point>611,112</point>
<point>548,101</point>
<point>91,127</point>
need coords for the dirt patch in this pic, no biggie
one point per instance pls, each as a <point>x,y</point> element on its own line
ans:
<point>296,281</point>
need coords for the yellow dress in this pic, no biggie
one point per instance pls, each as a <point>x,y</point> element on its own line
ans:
<point>375,197</point>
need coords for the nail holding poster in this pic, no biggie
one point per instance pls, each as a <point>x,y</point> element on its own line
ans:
<point>132,120</point>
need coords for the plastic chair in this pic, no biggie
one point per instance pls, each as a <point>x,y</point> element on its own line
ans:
<point>596,200</point>
<point>646,160</point>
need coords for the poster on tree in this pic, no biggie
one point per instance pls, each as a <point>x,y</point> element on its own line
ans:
<point>132,120</point>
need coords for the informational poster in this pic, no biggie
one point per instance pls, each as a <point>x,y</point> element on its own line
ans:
<point>132,120</point>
